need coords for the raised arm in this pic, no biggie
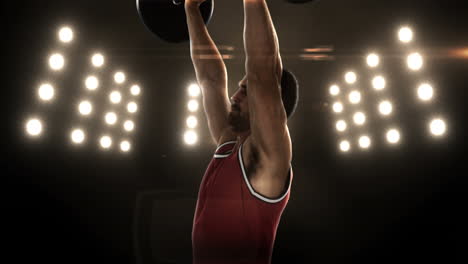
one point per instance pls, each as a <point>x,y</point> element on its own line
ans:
<point>210,71</point>
<point>268,120</point>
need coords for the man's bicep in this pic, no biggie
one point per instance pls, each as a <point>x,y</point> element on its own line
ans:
<point>216,105</point>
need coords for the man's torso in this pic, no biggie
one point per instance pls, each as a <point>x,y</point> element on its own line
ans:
<point>232,220</point>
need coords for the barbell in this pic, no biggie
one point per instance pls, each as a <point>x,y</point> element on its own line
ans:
<point>166,18</point>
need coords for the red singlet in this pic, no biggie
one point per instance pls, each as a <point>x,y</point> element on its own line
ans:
<point>233,223</point>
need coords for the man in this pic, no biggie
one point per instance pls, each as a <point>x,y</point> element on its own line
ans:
<point>247,184</point>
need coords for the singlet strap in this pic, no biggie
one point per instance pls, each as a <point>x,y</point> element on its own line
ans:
<point>225,149</point>
<point>258,195</point>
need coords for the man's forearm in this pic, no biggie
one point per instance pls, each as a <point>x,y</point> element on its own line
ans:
<point>260,39</point>
<point>207,60</point>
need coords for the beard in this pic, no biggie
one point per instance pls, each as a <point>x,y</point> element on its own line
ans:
<point>238,122</point>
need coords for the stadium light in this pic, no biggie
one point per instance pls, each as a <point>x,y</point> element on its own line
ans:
<point>78,136</point>
<point>405,34</point>
<point>355,97</point>
<point>338,107</point>
<point>385,108</point>
<point>132,107</point>
<point>34,127</point>
<point>379,83</point>
<point>111,118</point>
<point>350,77</point>
<point>393,136</point>
<point>129,126</point>
<point>415,61</point>
<point>85,108</point>
<point>364,142</point>
<point>345,146</point>
<point>105,142</point>
<point>341,125</point>
<point>192,122</point>
<point>46,92</point>
<point>97,60</point>
<point>125,146</point>
<point>65,35</point>
<point>56,62</point>
<point>438,127</point>
<point>119,77</point>
<point>425,92</point>
<point>359,118</point>
<point>92,83</point>
<point>334,90</point>
<point>194,90</point>
<point>193,105</point>
<point>190,137</point>
<point>115,97</point>
<point>373,60</point>
<point>135,90</point>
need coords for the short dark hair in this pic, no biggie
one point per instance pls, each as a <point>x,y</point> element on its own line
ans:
<point>289,92</point>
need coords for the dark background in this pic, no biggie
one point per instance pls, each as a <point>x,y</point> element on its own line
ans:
<point>72,205</point>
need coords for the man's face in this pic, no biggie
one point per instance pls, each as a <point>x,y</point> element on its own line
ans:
<point>239,114</point>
